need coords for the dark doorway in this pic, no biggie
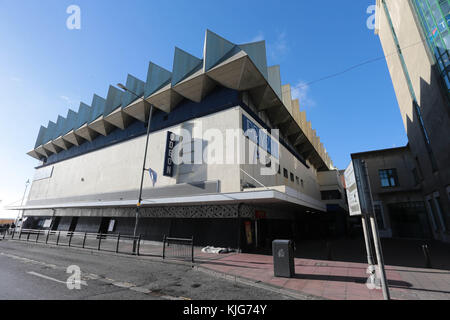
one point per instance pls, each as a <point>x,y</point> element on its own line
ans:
<point>73,224</point>
<point>409,220</point>
<point>55,223</point>
<point>104,225</point>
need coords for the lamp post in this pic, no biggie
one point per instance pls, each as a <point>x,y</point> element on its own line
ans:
<point>20,214</point>
<point>145,159</point>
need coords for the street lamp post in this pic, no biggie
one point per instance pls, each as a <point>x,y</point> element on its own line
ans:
<point>145,160</point>
<point>20,214</point>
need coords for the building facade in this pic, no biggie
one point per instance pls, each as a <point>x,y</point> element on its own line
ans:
<point>398,202</point>
<point>415,37</point>
<point>232,161</point>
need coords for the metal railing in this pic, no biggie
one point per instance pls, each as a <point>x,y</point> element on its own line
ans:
<point>117,243</point>
<point>178,248</point>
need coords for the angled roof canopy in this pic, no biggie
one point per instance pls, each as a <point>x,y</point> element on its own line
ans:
<point>239,67</point>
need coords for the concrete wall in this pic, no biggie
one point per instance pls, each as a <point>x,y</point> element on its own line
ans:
<point>433,104</point>
<point>118,167</point>
<point>287,161</point>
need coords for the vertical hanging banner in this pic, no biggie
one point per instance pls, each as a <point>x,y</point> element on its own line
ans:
<point>168,161</point>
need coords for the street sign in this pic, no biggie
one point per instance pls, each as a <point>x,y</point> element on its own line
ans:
<point>352,191</point>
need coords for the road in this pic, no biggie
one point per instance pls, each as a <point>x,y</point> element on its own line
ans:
<point>38,272</point>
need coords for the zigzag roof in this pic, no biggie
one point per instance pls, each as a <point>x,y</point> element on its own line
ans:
<point>239,67</point>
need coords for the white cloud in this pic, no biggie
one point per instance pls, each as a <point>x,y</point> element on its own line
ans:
<point>280,47</point>
<point>16,79</point>
<point>66,99</point>
<point>258,37</point>
<point>301,92</point>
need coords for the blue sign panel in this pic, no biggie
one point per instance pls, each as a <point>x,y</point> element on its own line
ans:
<point>260,137</point>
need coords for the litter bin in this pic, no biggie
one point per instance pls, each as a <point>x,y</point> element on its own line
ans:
<point>283,258</point>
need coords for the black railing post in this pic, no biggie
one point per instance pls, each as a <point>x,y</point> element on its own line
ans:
<point>192,249</point>
<point>164,247</point>
<point>99,241</point>
<point>117,245</point>
<point>48,234</point>
<point>20,234</point>
<point>70,238</point>
<point>28,236</point>
<point>14,231</point>
<point>57,239</point>
<point>37,237</point>
<point>84,239</point>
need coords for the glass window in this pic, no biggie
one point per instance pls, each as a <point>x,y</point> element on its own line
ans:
<point>388,178</point>
<point>292,177</point>
<point>285,172</point>
<point>434,16</point>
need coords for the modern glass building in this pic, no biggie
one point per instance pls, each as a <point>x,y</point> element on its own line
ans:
<point>434,16</point>
<point>415,37</point>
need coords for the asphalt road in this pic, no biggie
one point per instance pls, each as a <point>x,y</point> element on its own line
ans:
<point>38,272</point>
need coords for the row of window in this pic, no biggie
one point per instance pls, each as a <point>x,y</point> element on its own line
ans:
<point>291,176</point>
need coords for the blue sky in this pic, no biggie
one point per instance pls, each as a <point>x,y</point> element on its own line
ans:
<point>45,68</point>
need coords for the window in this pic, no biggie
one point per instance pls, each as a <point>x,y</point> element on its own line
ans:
<point>292,177</point>
<point>301,182</point>
<point>434,16</point>
<point>297,179</point>
<point>279,169</point>
<point>388,178</point>
<point>285,172</point>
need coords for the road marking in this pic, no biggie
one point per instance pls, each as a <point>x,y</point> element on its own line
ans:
<point>52,279</point>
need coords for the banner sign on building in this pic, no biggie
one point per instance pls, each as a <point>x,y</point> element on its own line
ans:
<point>168,159</point>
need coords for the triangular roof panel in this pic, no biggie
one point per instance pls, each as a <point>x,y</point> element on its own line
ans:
<point>84,115</point>
<point>257,53</point>
<point>113,100</point>
<point>183,65</point>
<point>157,77</point>
<point>41,137</point>
<point>274,79</point>
<point>135,85</point>
<point>98,107</point>
<point>215,49</point>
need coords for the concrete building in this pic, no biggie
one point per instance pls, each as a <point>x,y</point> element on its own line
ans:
<point>90,165</point>
<point>398,201</point>
<point>415,37</point>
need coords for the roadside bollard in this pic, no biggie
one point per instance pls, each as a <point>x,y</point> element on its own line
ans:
<point>99,241</point>
<point>84,239</point>
<point>426,253</point>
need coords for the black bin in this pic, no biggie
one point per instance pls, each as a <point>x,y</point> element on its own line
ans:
<point>283,258</point>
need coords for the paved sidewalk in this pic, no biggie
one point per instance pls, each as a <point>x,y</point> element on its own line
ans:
<point>337,280</point>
